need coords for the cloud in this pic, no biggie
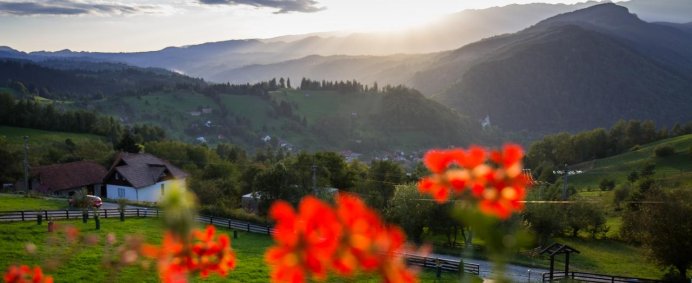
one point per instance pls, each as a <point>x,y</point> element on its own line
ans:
<point>71,7</point>
<point>284,6</point>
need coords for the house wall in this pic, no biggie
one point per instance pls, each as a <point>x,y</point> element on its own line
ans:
<point>149,194</point>
<point>113,192</point>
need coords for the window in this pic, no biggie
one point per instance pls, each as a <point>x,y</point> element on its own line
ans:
<point>121,192</point>
<point>162,189</point>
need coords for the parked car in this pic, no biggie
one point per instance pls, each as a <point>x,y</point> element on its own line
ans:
<point>93,200</point>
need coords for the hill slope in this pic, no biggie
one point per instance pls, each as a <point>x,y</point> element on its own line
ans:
<point>675,169</point>
<point>573,72</point>
<point>401,119</point>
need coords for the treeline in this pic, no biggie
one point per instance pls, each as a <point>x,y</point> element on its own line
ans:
<point>260,89</point>
<point>30,114</point>
<point>343,86</point>
<point>556,150</point>
<point>29,78</point>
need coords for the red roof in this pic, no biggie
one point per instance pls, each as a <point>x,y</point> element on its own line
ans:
<point>64,176</point>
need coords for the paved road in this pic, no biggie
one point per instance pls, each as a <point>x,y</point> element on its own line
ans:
<point>112,205</point>
<point>516,273</point>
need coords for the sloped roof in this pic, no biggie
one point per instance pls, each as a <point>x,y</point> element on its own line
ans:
<point>77,174</point>
<point>143,169</point>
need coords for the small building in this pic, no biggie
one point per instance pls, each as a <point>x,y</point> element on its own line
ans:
<point>250,202</point>
<point>195,113</point>
<point>207,110</point>
<point>67,178</point>
<point>141,177</point>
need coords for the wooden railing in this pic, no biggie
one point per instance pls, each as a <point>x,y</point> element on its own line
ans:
<point>597,278</point>
<point>7,216</point>
<point>444,264</point>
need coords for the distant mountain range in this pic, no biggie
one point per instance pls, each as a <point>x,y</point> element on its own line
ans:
<point>578,70</point>
<point>217,61</point>
<point>573,71</point>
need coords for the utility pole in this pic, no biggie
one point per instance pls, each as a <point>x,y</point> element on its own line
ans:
<point>564,184</point>
<point>314,178</point>
<point>26,165</point>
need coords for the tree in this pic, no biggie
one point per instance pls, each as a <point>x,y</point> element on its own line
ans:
<point>606,184</point>
<point>382,176</point>
<point>408,210</point>
<point>127,144</point>
<point>10,162</point>
<point>545,220</point>
<point>288,82</point>
<point>633,176</point>
<point>667,227</point>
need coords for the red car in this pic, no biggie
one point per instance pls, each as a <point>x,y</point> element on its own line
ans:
<point>94,200</point>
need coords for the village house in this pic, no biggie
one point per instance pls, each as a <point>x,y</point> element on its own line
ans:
<point>141,177</point>
<point>65,179</point>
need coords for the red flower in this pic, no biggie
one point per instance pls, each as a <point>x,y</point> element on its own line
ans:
<point>204,255</point>
<point>305,241</point>
<point>494,178</point>
<point>345,239</point>
<point>24,274</point>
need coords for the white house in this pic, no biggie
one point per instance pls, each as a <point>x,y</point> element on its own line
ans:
<point>141,177</point>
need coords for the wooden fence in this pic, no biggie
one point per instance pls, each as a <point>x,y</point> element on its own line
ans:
<point>5,216</point>
<point>444,264</point>
<point>74,214</point>
<point>596,278</point>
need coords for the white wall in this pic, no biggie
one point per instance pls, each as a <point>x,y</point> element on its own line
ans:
<point>112,192</point>
<point>149,194</point>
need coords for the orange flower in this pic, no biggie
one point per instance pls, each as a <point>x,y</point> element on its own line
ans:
<point>24,274</point>
<point>204,255</point>
<point>305,241</point>
<point>494,178</point>
<point>344,239</point>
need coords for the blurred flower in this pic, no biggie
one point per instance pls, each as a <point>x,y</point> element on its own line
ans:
<point>205,254</point>
<point>346,239</point>
<point>494,178</point>
<point>306,240</point>
<point>30,248</point>
<point>24,274</point>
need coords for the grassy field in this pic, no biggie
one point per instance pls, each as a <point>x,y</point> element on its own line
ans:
<point>610,257</point>
<point>676,169</point>
<point>84,264</point>
<point>9,202</point>
<point>37,137</point>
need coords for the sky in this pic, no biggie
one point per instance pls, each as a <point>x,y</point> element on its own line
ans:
<point>144,25</point>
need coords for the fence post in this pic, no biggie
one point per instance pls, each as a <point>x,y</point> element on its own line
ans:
<point>268,230</point>
<point>45,212</point>
<point>22,215</point>
<point>105,213</point>
<point>138,212</point>
<point>229,223</point>
<point>211,220</point>
<point>157,213</point>
<point>67,214</point>
<point>248,226</point>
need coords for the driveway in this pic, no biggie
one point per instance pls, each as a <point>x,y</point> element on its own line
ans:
<point>113,205</point>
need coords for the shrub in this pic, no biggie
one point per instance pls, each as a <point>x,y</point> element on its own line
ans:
<point>664,151</point>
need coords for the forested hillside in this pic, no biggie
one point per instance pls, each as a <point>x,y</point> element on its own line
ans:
<point>351,115</point>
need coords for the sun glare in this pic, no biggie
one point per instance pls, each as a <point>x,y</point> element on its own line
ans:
<point>382,15</point>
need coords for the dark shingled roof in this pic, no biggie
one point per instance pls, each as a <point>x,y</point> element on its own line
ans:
<point>77,174</point>
<point>143,169</point>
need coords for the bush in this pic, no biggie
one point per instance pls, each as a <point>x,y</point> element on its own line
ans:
<point>664,151</point>
<point>606,184</point>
